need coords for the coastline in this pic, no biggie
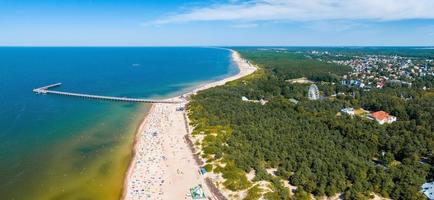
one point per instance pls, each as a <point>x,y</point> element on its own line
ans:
<point>162,165</point>
<point>128,172</point>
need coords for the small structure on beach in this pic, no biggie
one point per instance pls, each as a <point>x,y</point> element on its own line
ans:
<point>428,190</point>
<point>197,193</point>
<point>202,170</point>
<point>180,108</point>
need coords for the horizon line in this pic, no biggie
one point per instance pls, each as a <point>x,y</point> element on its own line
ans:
<point>213,46</point>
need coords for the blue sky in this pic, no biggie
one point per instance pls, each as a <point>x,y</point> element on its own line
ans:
<point>216,23</point>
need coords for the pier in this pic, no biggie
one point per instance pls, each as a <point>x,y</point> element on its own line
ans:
<point>46,90</point>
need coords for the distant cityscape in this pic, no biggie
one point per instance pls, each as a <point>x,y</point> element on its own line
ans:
<point>375,71</point>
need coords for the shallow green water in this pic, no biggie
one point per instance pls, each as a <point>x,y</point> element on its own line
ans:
<point>54,147</point>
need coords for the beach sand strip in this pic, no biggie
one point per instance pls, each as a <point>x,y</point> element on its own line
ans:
<point>163,166</point>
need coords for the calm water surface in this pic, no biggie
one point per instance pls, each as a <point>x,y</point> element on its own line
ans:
<point>54,147</point>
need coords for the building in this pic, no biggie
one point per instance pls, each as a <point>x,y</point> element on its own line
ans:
<point>313,93</point>
<point>355,83</point>
<point>428,190</point>
<point>383,117</point>
<point>399,83</point>
<point>294,101</point>
<point>360,112</point>
<point>380,84</point>
<point>263,102</point>
<point>348,111</point>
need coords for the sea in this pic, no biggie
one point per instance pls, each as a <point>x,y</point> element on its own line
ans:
<point>60,148</point>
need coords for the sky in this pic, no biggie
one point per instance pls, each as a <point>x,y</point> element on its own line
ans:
<point>217,23</point>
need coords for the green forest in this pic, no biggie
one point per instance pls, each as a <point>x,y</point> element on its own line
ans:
<point>310,146</point>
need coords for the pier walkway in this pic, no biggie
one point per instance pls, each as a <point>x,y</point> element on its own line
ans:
<point>46,90</point>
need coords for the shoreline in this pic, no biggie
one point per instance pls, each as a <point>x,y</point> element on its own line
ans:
<point>127,173</point>
<point>162,165</point>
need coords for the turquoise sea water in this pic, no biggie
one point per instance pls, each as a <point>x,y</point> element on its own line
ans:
<point>54,147</point>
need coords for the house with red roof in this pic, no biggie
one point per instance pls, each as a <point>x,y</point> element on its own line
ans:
<point>383,117</point>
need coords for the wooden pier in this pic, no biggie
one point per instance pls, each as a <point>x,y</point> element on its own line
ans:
<point>46,90</point>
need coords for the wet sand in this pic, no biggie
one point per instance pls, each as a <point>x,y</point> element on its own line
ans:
<point>163,166</point>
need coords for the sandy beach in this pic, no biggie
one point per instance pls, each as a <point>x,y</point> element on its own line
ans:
<point>163,166</point>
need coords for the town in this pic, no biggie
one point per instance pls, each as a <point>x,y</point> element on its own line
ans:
<point>375,71</point>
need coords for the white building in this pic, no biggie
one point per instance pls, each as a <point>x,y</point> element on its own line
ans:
<point>348,111</point>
